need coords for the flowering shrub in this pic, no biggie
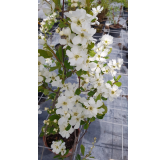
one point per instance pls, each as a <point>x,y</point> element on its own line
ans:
<point>82,102</point>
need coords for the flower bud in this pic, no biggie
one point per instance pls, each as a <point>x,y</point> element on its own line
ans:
<point>61,33</point>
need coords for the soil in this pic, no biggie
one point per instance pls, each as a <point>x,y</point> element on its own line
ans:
<point>107,27</point>
<point>68,142</point>
<point>116,26</point>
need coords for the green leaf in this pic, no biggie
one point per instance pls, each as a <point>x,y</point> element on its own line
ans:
<point>92,119</point>
<point>67,65</point>
<point>91,93</point>
<point>82,89</point>
<point>78,91</point>
<point>57,156</point>
<point>53,117</point>
<point>68,127</point>
<point>60,53</point>
<point>107,57</point>
<point>109,82</point>
<point>61,24</point>
<point>100,116</point>
<point>118,84</point>
<point>52,68</point>
<point>86,126</point>
<point>90,46</point>
<point>95,61</point>
<point>67,151</point>
<point>117,79</point>
<point>98,98</point>
<point>41,134</point>
<point>40,89</point>
<point>78,157</point>
<point>45,54</point>
<point>82,149</point>
<point>92,53</point>
<point>82,122</point>
<point>103,98</point>
<point>46,91</point>
<point>60,71</point>
<point>104,64</point>
<point>80,72</point>
<point>69,73</point>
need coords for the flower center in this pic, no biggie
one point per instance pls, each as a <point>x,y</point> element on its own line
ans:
<point>99,84</point>
<point>87,61</point>
<point>75,114</point>
<point>113,92</point>
<point>99,56</point>
<point>82,34</point>
<point>39,63</point>
<point>78,22</point>
<point>98,65</point>
<point>76,57</point>
<point>90,108</point>
<point>53,78</point>
<point>64,103</point>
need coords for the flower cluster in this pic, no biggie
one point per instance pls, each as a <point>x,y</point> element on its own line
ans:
<point>48,22</point>
<point>78,103</point>
<point>58,147</point>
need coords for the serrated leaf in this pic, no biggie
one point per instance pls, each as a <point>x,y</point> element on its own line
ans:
<point>106,57</point>
<point>118,84</point>
<point>78,91</point>
<point>69,73</point>
<point>67,65</point>
<point>45,54</point>
<point>92,53</point>
<point>82,149</point>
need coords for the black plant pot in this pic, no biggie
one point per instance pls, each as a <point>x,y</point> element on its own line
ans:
<point>98,34</point>
<point>103,22</point>
<point>115,32</point>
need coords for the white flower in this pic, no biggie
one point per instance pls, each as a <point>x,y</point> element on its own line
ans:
<point>66,31</point>
<point>64,102</point>
<point>41,61</point>
<point>91,107</point>
<point>57,83</point>
<point>107,39</point>
<point>97,10</point>
<point>115,92</point>
<point>39,111</point>
<point>64,133</point>
<point>51,77</point>
<point>56,146</point>
<point>65,115</point>
<point>76,55</point>
<point>75,121</point>
<point>63,148</point>
<point>119,63</point>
